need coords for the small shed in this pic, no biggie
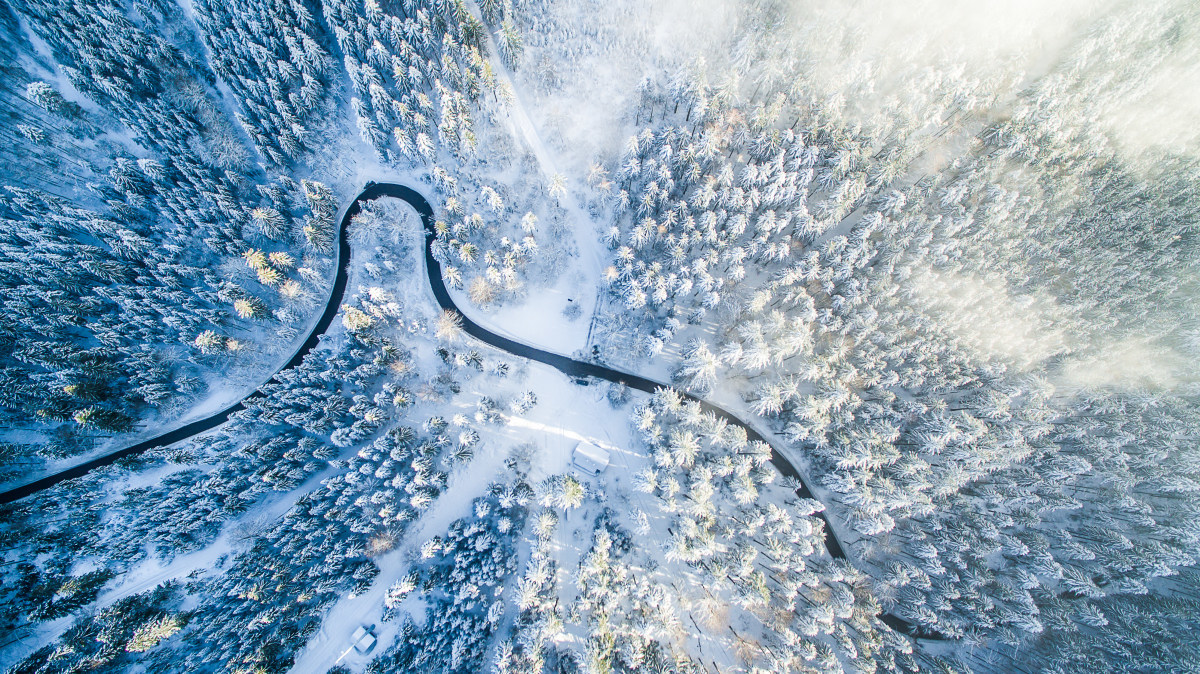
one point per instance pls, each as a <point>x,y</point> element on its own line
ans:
<point>590,458</point>
<point>362,639</point>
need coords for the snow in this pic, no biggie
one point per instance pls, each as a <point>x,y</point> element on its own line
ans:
<point>225,385</point>
<point>566,415</point>
<point>151,572</point>
<point>325,647</point>
<point>564,127</point>
<point>582,415</point>
<point>539,320</point>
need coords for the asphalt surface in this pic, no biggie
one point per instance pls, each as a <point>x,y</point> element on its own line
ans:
<point>568,366</point>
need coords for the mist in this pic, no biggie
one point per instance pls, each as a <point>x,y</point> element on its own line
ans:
<point>989,321</point>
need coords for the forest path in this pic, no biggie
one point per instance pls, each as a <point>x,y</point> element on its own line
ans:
<point>571,368</point>
<point>592,257</point>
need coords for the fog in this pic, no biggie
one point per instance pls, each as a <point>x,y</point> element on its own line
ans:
<point>1136,71</point>
<point>1162,113</point>
<point>991,322</point>
<point>996,46</point>
<point>1125,364</point>
<point>868,54</point>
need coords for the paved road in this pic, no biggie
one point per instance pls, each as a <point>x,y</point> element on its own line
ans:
<point>210,422</point>
<point>575,368</point>
<point>568,366</point>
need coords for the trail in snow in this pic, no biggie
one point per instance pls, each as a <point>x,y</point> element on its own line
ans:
<point>328,645</point>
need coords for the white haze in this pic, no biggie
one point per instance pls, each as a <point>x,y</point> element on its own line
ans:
<point>990,321</point>
<point>1162,115</point>
<point>887,45</point>
<point>585,114</point>
<point>872,56</point>
<point>868,53</point>
<point>1125,363</point>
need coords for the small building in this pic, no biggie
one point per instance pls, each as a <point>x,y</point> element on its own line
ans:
<point>362,639</point>
<point>590,458</point>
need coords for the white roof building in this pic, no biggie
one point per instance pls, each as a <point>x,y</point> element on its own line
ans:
<point>590,458</point>
<point>362,640</point>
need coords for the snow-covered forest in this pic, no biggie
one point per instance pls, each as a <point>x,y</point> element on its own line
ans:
<point>913,281</point>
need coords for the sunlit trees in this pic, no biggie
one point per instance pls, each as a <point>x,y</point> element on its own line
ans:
<point>511,44</point>
<point>270,222</point>
<point>449,326</point>
<point>251,307</point>
<point>562,491</point>
<point>210,342</point>
<point>133,625</point>
<point>699,368</point>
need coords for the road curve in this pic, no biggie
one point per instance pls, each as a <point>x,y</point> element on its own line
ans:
<point>568,366</point>
<point>211,422</point>
<point>575,368</point>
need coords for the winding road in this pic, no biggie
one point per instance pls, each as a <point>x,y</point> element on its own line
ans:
<point>572,368</point>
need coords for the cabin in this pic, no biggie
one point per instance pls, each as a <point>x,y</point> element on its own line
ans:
<point>362,639</point>
<point>590,458</point>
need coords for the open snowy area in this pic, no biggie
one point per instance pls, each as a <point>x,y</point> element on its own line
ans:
<point>599,336</point>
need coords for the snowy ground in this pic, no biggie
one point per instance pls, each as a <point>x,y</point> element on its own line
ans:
<point>151,572</point>
<point>229,380</point>
<point>565,415</point>
<point>330,644</point>
<point>539,320</point>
